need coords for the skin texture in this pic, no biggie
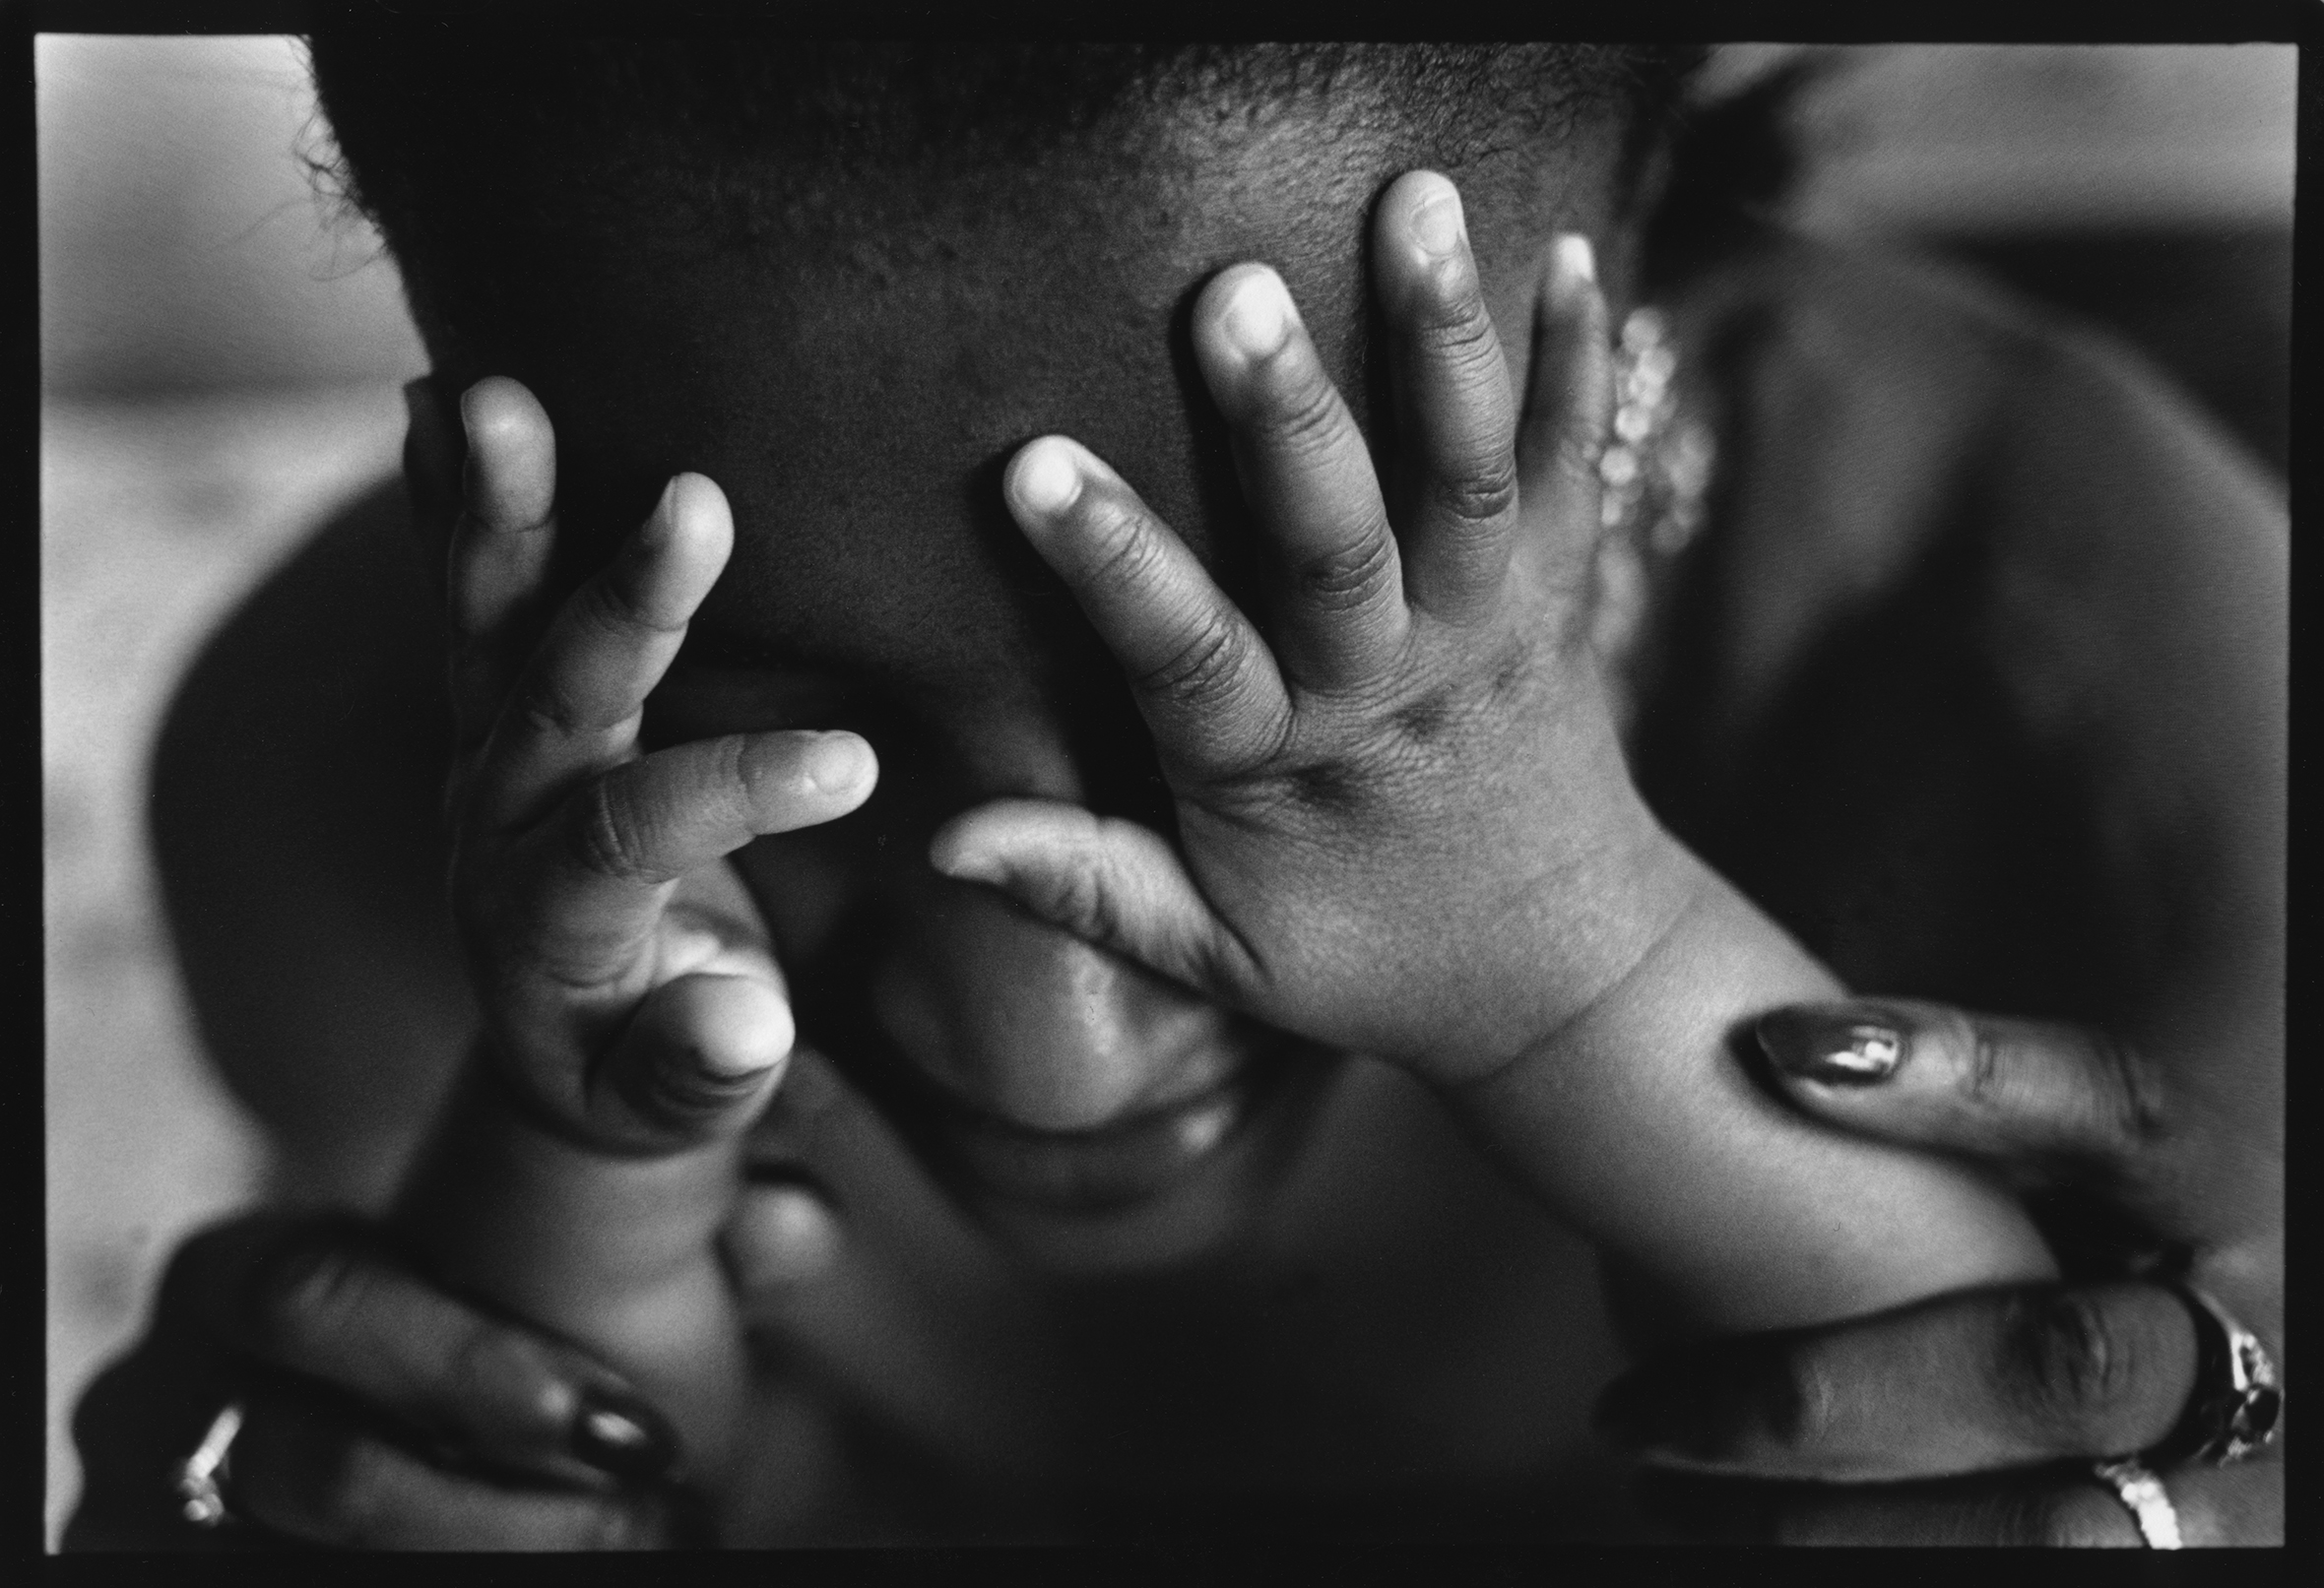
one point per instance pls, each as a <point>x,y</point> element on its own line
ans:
<point>1332,817</point>
<point>1896,1519</point>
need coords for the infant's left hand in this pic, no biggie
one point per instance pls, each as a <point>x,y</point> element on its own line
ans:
<point>1406,823</point>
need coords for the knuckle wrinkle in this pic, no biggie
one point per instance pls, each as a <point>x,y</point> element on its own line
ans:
<point>1348,580</point>
<point>2065,1363</point>
<point>1202,672</point>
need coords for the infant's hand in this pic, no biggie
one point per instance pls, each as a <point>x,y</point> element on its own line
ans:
<point>1405,821</point>
<point>628,996</point>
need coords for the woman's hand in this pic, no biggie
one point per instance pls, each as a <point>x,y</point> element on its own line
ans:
<point>1405,821</point>
<point>1975,1418</point>
<point>629,997</point>
<point>379,1412</point>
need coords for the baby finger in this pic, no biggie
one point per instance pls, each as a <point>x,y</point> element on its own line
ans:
<point>598,875</point>
<point>499,556</point>
<point>577,706</point>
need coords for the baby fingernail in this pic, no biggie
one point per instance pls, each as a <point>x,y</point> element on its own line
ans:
<point>836,763</point>
<point>1834,1045</point>
<point>1259,316</point>
<point>1577,260</point>
<point>1437,222</point>
<point>1047,478</point>
<point>622,1438</point>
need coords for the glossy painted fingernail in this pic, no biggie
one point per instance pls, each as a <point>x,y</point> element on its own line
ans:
<point>1702,1404</point>
<point>1832,1044</point>
<point>1577,260</point>
<point>836,763</point>
<point>1437,225</point>
<point>622,1438</point>
<point>1258,316</point>
<point>1631,1416</point>
<point>1048,477</point>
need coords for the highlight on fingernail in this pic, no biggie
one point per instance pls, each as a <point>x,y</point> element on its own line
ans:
<point>1259,314</point>
<point>622,1438</point>
<point>1833,1045</point>
<point>1047,477</point>
<point>1437,225</point>
<point>1577,260</point>
<point>835,763</point>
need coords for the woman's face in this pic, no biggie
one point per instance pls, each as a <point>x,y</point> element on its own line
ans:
<point>855,394</point>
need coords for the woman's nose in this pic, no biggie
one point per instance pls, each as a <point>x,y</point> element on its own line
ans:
<point>1018,1020</point>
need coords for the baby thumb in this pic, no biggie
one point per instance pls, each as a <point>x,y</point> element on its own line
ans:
<point>1106,881</point>
<point>700,1058</point>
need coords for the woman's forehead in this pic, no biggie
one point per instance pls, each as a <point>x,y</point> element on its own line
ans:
<point>857,404</point>
<point>857,389</point>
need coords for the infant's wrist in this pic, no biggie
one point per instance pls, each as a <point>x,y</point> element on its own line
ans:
<point>502,1174</point>
<point>1590,961</point>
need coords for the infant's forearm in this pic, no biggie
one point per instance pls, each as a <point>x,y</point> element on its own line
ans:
<point>614,1253</point>
<point>1638,1123</point>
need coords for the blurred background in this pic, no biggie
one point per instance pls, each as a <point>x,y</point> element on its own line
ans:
<point>222,347</point>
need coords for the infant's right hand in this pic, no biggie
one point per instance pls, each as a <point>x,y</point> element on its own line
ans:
<point>629,997</point>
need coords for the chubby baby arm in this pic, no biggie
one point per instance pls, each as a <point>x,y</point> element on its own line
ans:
<point>1405,825</point>
<point>634,1022</point>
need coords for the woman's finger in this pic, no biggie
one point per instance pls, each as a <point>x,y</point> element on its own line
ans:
<point>1456,482</point>
<point>2054,1101</point>
<point>577,705</point>
<point>1965,1383</point>
<point>498,559</point>
<point>1204,679</point>
<point>1337,589</point>
<point>590,885</point>
<point>330,1303</point>
<point>1569,405</point>
<point>310,1467</point>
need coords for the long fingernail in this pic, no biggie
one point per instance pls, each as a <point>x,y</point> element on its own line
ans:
<point>622,1438</point>
<point>1832,1044</point>
<point>1698,1406</point>
<point>1629,1416</point>
<point>1259,316</point>
<point>1437,225</point>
